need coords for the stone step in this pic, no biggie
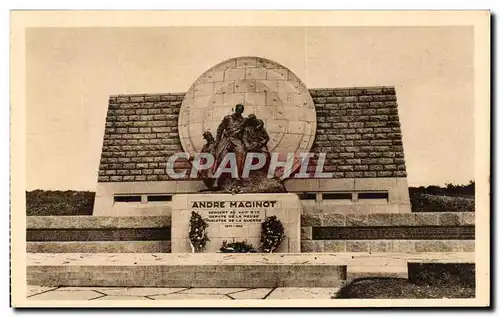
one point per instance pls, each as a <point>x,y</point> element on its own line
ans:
<point>397,270</point>
<point>220,270</point>
<point>162,246</point>
<point>247,276</point>
<point>150,270</point>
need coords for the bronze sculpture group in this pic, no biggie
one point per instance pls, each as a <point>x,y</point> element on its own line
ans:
<point>235,134</point>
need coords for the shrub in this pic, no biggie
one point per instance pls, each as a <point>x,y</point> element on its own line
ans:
<point>59,203</point>
<point>434,203</point>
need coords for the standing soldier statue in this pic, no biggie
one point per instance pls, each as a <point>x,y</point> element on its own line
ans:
<point>229,138</point>
<point>207,174</point>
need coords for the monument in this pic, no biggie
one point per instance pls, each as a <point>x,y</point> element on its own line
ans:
<point>248,160</point>
<point>250,125</point>
<point>357,129</point>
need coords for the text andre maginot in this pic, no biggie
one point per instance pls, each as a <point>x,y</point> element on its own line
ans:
<point>234,204</point>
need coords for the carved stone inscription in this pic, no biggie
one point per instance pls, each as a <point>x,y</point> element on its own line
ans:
<point>232,213</point>
<point>235,218</point>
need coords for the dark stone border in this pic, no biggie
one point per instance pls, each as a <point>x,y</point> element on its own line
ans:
<point>111,234</point>
<point>394,233</point>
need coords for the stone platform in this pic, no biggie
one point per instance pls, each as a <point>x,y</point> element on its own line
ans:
<point>188,270</point>
<point>151,293</point>
<point>222,270</point>
<point>98,234</point>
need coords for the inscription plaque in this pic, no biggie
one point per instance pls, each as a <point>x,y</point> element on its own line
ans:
<point>235,218</point>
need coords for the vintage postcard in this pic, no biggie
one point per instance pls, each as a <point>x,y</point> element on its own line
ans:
<point>280,159</point>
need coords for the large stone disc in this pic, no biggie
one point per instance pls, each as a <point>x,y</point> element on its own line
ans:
<point>267,89</point>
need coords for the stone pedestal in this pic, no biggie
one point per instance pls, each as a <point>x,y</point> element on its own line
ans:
<point>235,218</point>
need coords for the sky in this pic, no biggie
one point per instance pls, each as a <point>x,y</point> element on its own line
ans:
<point>71,72</point>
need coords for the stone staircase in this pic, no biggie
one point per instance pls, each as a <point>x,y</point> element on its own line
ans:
<point>222,270</point>
<point>135,251</point>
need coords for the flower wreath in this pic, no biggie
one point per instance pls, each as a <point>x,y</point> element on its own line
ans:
<point>272,234</point>
<point>197,232</point>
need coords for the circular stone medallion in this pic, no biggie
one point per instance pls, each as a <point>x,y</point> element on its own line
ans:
<point>267,89</point>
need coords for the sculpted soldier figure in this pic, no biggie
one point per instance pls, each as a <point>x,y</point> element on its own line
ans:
<point>238,135</point>
<point>229,138</point>
<point>255,136</point>
<point>209,147</point>
<point>255,139</point>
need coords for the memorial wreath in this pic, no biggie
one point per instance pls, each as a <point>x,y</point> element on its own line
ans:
<point>272,234</point>
<point>197,232</point>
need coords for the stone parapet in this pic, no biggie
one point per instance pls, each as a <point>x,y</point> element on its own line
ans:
<point>409,246</point>
<point>333,219</point>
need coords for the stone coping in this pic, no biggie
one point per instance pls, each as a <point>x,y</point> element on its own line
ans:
<point>332,219</point>
<point>308,220</point>
<point>317,89</point>
<point>96,222</point>
<point>197,259</point>
<point>162,246</point>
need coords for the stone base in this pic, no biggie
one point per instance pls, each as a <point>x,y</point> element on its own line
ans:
<point>154,270</point>
<point>99,247</point>
<point>223,270</point>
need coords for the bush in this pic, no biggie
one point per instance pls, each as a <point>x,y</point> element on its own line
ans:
<point>59,203</point>
<point>236,247</point>
<point>466,191</point>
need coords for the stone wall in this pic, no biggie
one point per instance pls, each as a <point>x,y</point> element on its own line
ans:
<point>141,133</point>
<point>382,232</point>
<point>325,232</point>
<point>358,128</point>
<point>90,234</point>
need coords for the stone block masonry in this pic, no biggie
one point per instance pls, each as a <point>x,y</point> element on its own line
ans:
<point>190,276</point>
<point>141,133</point>
<point>184,270</point>
<point>90,234</point>
<point>382,232</point>
<point>319,232</point>
<point>358,129</point>
<point>222,270</point>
